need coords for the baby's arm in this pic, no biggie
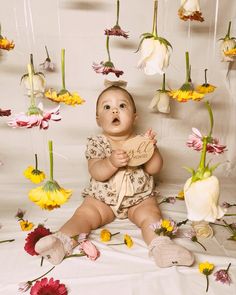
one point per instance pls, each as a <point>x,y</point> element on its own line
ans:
<point>103,169</point>
<point>154,165</point>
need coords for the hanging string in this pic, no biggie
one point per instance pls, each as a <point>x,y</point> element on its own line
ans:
<point>59,23</point>
<point>31,22</point>
<point>215,27</point>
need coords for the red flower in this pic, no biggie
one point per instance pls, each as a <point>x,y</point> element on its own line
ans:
<point>105,68</point>
<point>90,250</point>
<point>116,31</point>
<point>33,238</point>
<point>48,287</point>
<point>5,112</point>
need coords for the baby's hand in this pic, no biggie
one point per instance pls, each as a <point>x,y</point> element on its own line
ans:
<point>119,158</point>
<point>151,135</point>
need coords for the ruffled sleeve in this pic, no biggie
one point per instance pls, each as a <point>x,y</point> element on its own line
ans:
<point>95,148</point>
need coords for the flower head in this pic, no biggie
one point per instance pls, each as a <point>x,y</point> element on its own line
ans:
<point>5,113</point>
<point>206,268</point>
<point>128,241</point>
<point>106,67</point>
<point>33,237</point>
<point>228,46</point>
<point>26,225</point>
<point>202,229</point>
<point>48,286</point>
<point>193,237</point>
<point>223,276</point>
<point>33,173</point>
<point>5,44</point>
<point>180,195</point>
<point>89,249</point>
<point>105,235</point>
<point>47,65</point>
<point>116,31</point>
<point>205,87</point>
<point>190,10</point>
<point>165,227</point>
<point>20,214</point>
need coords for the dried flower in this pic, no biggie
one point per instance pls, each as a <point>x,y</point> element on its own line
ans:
<point>227,205</point>
<point>170,200</point>
<point>33,237</point>
<point>20,214</point>
<point>202,229</point>
<point>206,268</point>
<point>165,227</point>
<point>205,87</point>
<point>26,225</point>
<point>186,92</point>
<point>33,173</point>
<point>5,43</point>
<point>51,195</point>
<point>105,235</point>
<point>5,113</point>
<point>89,249</point>
<point>193,237</point>
<point>223,276</point>
<point>228,46</point>
<point>47,65</point>
<point>190,10</point>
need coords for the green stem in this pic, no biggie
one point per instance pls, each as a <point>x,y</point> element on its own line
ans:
<point>228,267</point>
<point>164,82</point>
<point>112,235</point>
<point>188,79</point>
<point>182,222</point>
<point>43,274</point>
<point>154,24</point>
<point>228,227</point>
<point>30,74</point>
<point>207,278</point>
<point>219,224</point>
<point>5,241</point>
<point>108,49</point>
<point>211,117</point>
<point>117,12</point>
<point>74,255</point>
<point>36,161</point>
<point>232,214</point>
<point>228,32</point>
<point>32,62</point>
<point>41,262</point>
<point>116,244</point>
<point>63,68</point>
<point>201,245</point>
<point>205,76</point>
<point>51,158</point>
<point>203,155</point>
<point>48,57</point>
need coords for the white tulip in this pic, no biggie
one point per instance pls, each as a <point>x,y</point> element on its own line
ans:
<point>190,6</point>
<point>160,102</point>
<point>154,56</point>
<point>201,198</point>
<point>38,84</point>
<point>225,46</point>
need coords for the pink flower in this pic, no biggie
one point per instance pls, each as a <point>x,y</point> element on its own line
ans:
<point>90,250</point>
<point>222,275</point>
<point>48,287</point>
<point>105,68</point>
<point>116,31</point>
<point>195,141</point>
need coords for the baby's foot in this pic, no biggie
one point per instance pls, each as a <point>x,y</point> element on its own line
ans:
<point>54,247</point>
<point>166,253</point>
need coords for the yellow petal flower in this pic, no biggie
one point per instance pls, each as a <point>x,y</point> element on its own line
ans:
<point>26,225</point>
<point>184,96</point>
<point>28,171</point>
<point>180,195</point>
<point>68,98</point>
<point>206,267</point>
<point>230,52</point>
<point>34,175</point>
<point>6,44</point>
<point>205,88</point>
<point>165,223</point>
<point>128,241</point>
<point>105,235</point>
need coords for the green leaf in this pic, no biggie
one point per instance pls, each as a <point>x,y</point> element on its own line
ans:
<point>190,170</point>
<point>164,41</point>
<point>146,35</point>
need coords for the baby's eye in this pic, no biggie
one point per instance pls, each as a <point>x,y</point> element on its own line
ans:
<point>106,107</point>
<point>122,105</point>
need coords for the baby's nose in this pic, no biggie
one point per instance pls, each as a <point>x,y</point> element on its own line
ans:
<point>115,111</point>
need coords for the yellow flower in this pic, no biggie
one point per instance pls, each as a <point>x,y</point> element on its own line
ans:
<point>6,44</point>
<point>49,196</point>
<point>128,241</point>
<point>26,225</point>
<point>206,267</point>
<point>35,175</point>
<point>205,88</point>
<point>105,235</point>
<point>180,195</point>
<point>184,96</point>
<point>66,97</point>
<point>167,225</point>
<point>230,52</point>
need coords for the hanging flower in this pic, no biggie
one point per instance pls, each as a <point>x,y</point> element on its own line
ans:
<point>25,286</point>
<point>116,30</point>
<point>193,237</point>
<point>48,65</point>
<point>170,200</point>
<point>206,87</point>
<point>33,173</point>
<point>24,224</point>
<point>107,67</point>
<point>33,237</point>
<point>5,113</point>
<point>202,189</point>
<point>65,96</point>
<point>186,92</point>
<point>38,81</point>
<point>106,235</point>
<point>165,227</point>
<point>206,268</point>
<point>161,100</point>
<point>154,50</point>
<point>51,195</point>
<point>89,249</point>
<point>5,44</point>
<point>190,10</point>
<point>227,46</point>
<point>223,276</point>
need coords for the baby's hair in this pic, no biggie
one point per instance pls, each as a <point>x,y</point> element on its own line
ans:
<point>113,87</point>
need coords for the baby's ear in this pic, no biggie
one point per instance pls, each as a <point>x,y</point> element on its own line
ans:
<point>98,121</point>
<point>135,117</point>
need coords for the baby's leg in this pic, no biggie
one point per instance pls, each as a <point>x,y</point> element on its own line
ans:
<point>166,253</point>
<point>90,215</point>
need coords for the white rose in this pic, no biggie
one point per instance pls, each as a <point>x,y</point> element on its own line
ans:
<point>38,85</point>
<point>160,102</point>
<point>202,229</point>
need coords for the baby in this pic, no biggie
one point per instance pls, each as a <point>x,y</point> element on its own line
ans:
<point>116,190</point>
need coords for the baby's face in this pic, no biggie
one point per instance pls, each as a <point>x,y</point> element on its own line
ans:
<point>115,113</point>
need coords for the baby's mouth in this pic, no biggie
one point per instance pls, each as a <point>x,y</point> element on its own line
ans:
<point>116,121</point>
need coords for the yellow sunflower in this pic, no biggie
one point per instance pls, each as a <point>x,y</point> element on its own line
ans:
<point>105,235</point>
<point>6,44</point>
<point>65,97</point>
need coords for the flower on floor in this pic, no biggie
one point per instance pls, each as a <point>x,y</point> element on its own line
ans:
<point>202,189</point>
<point>33,173</point>
<point>24,224</point>
<point>5,44</point>
<point>232,229</point>
<point>7,241</point>
<point>65,96</point>
<point>5,113</point>
<point>154,50</point>
<point>206,268</point>
<point>48,286</point>
<point>51,195</point>
<point>228,46</point>
<point>89,249</point>
<point>128,241</point>
<point>180,195</point>
<point>223,276</point>
<point>165,227</point>
<point>48,65</point>
<point>190,10</point>
<point>202,229</point>
<point>33,237</point>
<point>170,200</point>
<point>38,81</point>
<point>186,92</point>
<point>205,87</point>
<point>192,235</point>
<point>106,235</point>
<point>116,30</point>
<point>25,286</point>
<point>227,205</point>
<point>161,100</point>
